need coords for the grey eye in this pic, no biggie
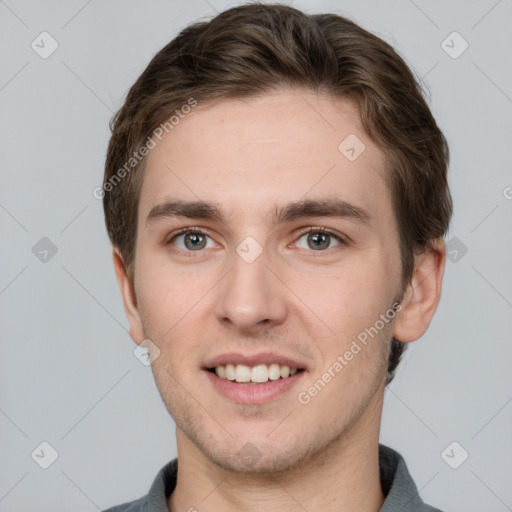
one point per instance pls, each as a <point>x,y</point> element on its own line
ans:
<point>193,241</point>
<point>318,241</point>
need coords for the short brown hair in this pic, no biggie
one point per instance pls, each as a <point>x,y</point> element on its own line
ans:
<point>251,49</point>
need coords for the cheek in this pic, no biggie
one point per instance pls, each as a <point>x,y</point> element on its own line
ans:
<point>161,300</point>
<point>349,300</point>
<point>353,350</point>
<point>170,301</point>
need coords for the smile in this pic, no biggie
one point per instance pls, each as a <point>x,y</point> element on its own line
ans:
<point>256,374</point>
<point>248,391</point>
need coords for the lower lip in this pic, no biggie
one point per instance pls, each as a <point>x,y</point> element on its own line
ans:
<point>253,393</point>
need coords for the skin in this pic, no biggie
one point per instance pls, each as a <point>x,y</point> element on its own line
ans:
<point>247,156</point>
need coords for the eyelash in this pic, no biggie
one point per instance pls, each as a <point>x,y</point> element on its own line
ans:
<point>340,238</point>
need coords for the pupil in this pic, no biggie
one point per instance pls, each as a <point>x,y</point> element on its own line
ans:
<point>194,241</point>
<point>318,237</point>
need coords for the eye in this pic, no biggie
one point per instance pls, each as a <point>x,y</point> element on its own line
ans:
<point>190,240</point>
<point>193,240</point>
<point>319,239</point>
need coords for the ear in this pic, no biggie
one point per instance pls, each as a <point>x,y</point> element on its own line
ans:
<point>423,293</point>
<point>129,298</point>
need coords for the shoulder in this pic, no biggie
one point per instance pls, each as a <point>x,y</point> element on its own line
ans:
<point>139,505</point>
<point>397,484</point>
<point>156,499</point>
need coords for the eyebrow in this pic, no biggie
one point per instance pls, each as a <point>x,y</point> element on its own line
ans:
<point>327,207</point>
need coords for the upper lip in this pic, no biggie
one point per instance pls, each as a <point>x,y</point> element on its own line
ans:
<point>252,360</point>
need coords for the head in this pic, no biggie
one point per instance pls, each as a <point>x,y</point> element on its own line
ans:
<point>261,107</point>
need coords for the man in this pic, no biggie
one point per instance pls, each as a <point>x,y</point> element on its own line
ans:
<point>276,195</point>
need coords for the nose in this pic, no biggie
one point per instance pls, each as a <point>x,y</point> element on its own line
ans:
<point>251,297</point>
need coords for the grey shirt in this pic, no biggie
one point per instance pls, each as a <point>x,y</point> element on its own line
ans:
<point>397,485</point>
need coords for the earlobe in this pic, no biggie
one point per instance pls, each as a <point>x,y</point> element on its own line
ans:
<point>423,293</point>
<point>129,298</point>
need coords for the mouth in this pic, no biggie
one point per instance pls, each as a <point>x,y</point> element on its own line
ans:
<point>255,385</point>
<point>253,375</point>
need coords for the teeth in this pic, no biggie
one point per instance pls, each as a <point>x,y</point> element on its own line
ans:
<point>221,372</point>
<point>230,372</point>
<point>285,371</point>
<point>274,372</point>
<point>242,373</point>
<point>257,374</point>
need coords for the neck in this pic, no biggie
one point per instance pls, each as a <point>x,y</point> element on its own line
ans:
<point>342,477</point>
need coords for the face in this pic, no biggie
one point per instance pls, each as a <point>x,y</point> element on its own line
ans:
<point>293,258</point>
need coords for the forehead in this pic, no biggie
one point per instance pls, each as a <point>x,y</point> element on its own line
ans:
<point>256,153</point>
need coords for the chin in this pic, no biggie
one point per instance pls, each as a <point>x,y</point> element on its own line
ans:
<point>257,457</point>
<point>258,463</point>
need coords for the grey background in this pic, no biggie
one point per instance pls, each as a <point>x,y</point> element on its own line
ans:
<point>68,375</point>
